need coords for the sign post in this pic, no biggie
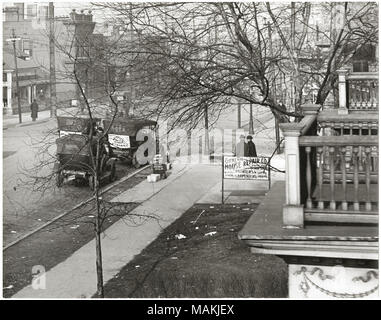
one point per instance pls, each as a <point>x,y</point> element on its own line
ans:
<point>222,194</point>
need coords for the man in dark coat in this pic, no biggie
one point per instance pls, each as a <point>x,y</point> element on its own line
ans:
<point>34,110</point>
<point>252,152</point>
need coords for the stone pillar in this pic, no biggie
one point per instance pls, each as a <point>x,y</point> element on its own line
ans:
<point>293,210</point>
<point>342,91</point>
<point>293,213</point>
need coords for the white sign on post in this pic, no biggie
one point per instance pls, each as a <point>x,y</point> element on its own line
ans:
<point>119,141</point>
<point>246,168</point>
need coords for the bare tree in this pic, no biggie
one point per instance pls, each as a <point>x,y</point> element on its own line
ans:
<point>203,53</point>
<point>212,52</point>
<point>91,74</point>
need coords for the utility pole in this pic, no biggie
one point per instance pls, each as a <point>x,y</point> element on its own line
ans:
<point>295,74</point>
<point>131,101</point>
<point>52,61</point>
<point>13,40</point>
<point>206,130</point>
<point>333,36</point>
<point>251,121</point>
<point>277,133</point>
<point>239,114</point>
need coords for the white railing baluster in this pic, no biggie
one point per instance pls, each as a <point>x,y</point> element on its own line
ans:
<point>344,203</point>
<point>332,204</point>
<point>368,204</point>
<point>356,205</point>
<point>319,155</point>
<point>309,178</point>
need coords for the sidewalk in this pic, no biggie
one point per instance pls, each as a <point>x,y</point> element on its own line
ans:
<point>10,121</point>
<point>76,276</point>
<point>167,199</point>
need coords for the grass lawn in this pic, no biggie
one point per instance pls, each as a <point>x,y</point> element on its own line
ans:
<point>210,262</point>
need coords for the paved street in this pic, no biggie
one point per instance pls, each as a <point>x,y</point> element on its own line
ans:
<point>24,207</point>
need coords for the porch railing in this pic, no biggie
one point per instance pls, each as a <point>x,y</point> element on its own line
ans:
<point>329,178</point>
<point>346,185</point>
<point>358,91</point>
<point>362,91</point>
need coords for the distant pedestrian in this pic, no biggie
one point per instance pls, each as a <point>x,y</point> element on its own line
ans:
<point>241,147</point>
<point>251,150</point>
<point>34,110</point>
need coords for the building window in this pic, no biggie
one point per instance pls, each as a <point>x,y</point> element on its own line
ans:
<point>361,66</point>
<point>4,77</point>
<point>363,57</point>
<point>27,46</point>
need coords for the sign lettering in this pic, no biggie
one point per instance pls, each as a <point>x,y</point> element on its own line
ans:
<point>119,141</point>
<point>246,168</point>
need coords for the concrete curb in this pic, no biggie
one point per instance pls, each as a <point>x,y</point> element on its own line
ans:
<point>32,123</point>
<point>25,124</point>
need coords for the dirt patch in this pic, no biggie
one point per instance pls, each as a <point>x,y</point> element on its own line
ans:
<point>200,256</point>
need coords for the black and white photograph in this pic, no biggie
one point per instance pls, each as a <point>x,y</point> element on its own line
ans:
<point>190,150</point>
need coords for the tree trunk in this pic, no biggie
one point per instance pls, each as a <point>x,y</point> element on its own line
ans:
<point>52,63</point>
<point>98,226</point>
<point>277,135</point>
<point>99,266</point>
<point>206,131</point>
<point>251,121</point>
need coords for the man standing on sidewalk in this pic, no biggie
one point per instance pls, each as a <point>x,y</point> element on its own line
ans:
<point>34,110</point>
<point>252,152</point>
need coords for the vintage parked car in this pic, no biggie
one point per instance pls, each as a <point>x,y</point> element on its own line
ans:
<point>122,137</point>
<point>74,159</point>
